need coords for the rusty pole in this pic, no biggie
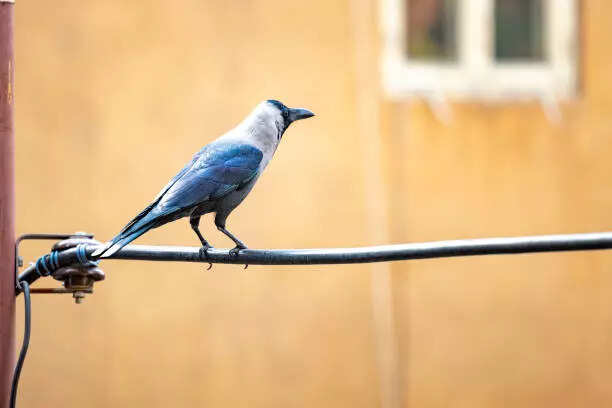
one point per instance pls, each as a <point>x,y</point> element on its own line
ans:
<point>7,202</point>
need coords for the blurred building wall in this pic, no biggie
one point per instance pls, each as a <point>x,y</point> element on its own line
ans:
<point>522,330</point>
<point>114,97</point>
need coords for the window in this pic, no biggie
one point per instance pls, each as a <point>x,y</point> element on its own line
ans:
<point>483,49</point>
<point>518,30</point>
<point>431,30</point>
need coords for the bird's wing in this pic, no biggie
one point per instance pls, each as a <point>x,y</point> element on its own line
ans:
<point>155,201</point>
<point>220,169</point>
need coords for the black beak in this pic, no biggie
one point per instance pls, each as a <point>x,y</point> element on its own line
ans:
<point>297,114</point>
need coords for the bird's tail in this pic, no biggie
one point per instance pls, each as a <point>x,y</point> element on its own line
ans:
<point>119,242</point>
<point>142,223</point>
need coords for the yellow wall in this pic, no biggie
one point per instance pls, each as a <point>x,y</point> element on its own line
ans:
<point>114,97</point>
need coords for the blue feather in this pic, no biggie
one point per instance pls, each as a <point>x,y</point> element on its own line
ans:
<point>215,171</point>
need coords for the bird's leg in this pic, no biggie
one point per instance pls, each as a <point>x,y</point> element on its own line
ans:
<point>239,244</point>
<point>220,223</point>
<point>194,221</point>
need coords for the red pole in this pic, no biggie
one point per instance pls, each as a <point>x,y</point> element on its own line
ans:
<point>7,202</point>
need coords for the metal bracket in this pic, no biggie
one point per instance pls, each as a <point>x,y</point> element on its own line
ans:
<point>77,292</point>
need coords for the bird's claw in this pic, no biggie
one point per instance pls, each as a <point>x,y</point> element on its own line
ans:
<point>236,250</point>
<point>204,250</point>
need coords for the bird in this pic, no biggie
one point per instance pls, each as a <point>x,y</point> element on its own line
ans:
<point>217,179</point>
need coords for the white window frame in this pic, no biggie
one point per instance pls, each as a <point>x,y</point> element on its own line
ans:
<point>476,74</point>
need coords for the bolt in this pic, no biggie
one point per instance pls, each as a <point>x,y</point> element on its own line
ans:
<point>78,297</point>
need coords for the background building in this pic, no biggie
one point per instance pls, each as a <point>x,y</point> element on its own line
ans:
<point>435,120</point>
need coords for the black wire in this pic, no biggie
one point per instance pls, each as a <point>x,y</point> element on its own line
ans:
<point>384,253</point>
<point>25,287</point>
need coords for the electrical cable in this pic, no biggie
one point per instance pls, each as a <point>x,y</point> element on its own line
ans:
<point>25,287</point>
<point>82,254</point>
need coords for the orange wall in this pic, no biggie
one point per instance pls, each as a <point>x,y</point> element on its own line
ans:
<point>528,330</point>
<point>112,98</point>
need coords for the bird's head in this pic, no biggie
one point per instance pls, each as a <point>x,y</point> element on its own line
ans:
<point>275,114</point>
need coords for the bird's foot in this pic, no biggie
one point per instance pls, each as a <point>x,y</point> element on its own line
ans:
<point>234,251</point>
<point>204,254</point>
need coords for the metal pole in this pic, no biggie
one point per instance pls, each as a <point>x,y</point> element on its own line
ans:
<point>7,202</point>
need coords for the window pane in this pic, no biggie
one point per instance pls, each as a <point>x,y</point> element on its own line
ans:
<point>431,29</point>
<point>518,30</point>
